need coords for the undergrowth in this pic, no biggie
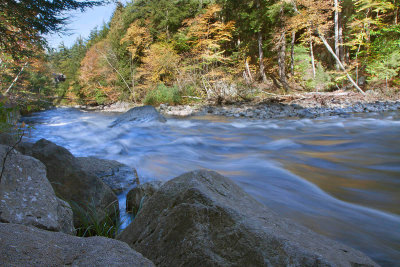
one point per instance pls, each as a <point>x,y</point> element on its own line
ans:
<point>91,223</point>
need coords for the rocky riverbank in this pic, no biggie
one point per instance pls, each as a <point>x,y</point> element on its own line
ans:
<point>306,105</point>
<point>39,183</point>
<point>309,105</point>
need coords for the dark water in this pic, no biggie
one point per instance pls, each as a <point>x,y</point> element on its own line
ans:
<point>337,176</point>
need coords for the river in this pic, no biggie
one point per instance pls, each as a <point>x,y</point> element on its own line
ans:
<point>339,176</point>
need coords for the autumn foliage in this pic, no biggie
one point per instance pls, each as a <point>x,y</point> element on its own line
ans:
<point>227,50</point>
<point>97,77</point>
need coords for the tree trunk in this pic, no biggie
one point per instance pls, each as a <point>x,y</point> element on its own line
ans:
<point>261,57</point>
<point>245,77</point>
<point>292,53</point>
<point>338,61</point>
<point>336,21</point>
<point>312,57</point>
<point>16,79</point>
<point>282,60</point>
<point>341,46</point>
<point>358,51</point>
<point>248,70</point>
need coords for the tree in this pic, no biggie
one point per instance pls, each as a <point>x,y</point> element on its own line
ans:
<point>160,65</point>
<point>23,22</point>
<point>252,34</point>
<point>207,34</point>
<point>137,39</point>
<point>97,75</point>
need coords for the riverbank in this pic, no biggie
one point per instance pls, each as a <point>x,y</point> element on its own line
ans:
<point>310,105</point>
<point>306,105</point>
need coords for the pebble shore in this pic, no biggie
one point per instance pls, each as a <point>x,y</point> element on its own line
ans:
<point>277,110</point>
<point>308,105</point>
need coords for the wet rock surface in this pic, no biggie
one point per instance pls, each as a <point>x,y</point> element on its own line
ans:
<point>116,175</point>
<point>27,197</point>
<point>26,246</point>
<point>139,114</point>
<point>203,219</point>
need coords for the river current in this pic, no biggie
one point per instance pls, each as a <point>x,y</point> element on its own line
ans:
<point>339,176</point>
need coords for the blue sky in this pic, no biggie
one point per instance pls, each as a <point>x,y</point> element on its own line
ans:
<point>82,23</point>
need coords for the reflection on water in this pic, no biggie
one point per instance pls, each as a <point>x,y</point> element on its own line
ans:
<point>338,176</point>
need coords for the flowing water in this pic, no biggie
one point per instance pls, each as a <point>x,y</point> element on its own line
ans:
<point>339,176</point>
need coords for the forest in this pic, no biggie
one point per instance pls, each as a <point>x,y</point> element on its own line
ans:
<point>161,51</point>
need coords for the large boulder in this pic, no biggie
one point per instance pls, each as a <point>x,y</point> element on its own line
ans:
<point>26,196</point>
<point>137,196</point>
<point>26,246</point>
<point>73,184</point>
<point>140,114</point>
<point>116,175</point>
<point>203,219</point>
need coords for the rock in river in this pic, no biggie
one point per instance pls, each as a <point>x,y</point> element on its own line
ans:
<point>26,196</point>
<point>72,183</point>
<point>143,114</point>
<point>203,219</point>
<point>26,246</point>
<point>116,175</point>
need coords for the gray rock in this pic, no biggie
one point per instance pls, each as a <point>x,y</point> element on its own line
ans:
<point>140,194</point>
<point>163,106</point>
<point>26,196</point>
<point>72,183</point>
<point>305,113</point>
<point>7,139</point>
<point>25,148</point>
<point>26,246</point>
<point>119,106</point>
<point>116,175</point>
<point>362,80</point>
<point>203,219</point>
<point>144,113</point>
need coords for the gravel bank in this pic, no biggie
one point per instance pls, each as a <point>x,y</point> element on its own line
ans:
<point>310,105</point>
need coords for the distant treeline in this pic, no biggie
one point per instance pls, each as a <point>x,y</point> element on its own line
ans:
<point>157,51</point>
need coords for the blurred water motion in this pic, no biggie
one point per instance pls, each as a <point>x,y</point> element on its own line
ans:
<point>338,176</point>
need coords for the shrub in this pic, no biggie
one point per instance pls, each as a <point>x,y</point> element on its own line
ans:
<point>384,68</point>
<point>163,94</point>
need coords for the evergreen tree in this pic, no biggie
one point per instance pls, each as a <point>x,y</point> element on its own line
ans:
<point>23,22</point>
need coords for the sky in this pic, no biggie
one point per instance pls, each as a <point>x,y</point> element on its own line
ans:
<point>80,24</point>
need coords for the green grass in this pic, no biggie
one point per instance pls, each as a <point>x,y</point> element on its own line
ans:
<point>90,223</point>
<point>162,95</point>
